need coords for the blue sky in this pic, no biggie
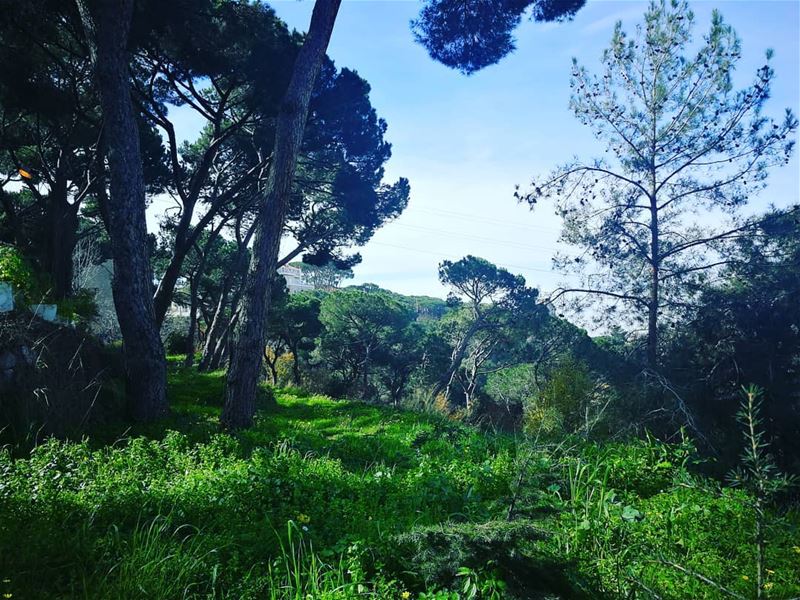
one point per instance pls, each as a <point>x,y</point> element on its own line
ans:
<point>464,142</point>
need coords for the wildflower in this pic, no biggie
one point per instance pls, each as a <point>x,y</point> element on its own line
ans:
<point>769,585</point>
<point>7,595</point>
<point>405,595</point>
<point>745,577</point>
<point>303,518</point>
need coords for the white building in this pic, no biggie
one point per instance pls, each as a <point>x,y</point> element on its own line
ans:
<point>294,279</point>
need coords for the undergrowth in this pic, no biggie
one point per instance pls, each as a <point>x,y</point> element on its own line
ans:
<point>333,499</point>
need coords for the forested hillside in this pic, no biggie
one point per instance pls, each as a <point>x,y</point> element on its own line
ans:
<point>202,395</point>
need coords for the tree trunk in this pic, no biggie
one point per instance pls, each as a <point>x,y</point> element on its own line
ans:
<point>272,365</point>
<point>397,386</point>
<point>654,300</point>
<point>62,220</point>
<point>365,375</point>
<point>444,383</point>
<point>107,23</point>
<point>190,335</point>
<point>218,325</point>
<point>185,240</point>
<point>469,389</point>
<point>12,220</point>
<point>295,364</point>
<point>218,321</point>
<point>246,347</point>
<point>224,348</point>
<point>165,291</point>
<point>194,288</point>
<point>222,344</point>
<point>214,331</point>
<point>221,349</point>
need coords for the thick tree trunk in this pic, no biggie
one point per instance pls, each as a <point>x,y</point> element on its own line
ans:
<point>247,345</point>
<point>62,220</point>
<point>12,221</point>
<point>107,23</point>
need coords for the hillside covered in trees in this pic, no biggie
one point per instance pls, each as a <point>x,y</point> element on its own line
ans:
<point>201,396</point>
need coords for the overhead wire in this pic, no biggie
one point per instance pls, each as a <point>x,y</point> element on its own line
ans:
<point>483,219</point>
<point>469,236</point>
<point>446,255</point>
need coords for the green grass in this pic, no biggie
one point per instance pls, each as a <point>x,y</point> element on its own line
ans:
<point>335,499</point>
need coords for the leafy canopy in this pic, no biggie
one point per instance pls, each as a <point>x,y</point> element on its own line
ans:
<point>473,34</point>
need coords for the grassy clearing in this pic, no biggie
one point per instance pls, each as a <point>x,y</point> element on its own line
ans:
<point>334,499</point>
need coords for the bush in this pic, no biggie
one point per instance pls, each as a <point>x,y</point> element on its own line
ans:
<point>173,334</point>
<point>573,400</point>
<point>79,307</point>
<point>29,286</point>
<point>55,380</point>
<point>332,499</point>
<point>495,551</point>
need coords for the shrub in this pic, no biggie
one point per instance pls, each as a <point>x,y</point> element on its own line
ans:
<point>81,306</point>
<point>173,334</point>
<point>14,269</point>
<point>30,287</point>
<point>283,365</point>
<point>489,556</point>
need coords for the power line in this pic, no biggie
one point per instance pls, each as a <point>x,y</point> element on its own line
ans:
<point>445,255</point>
<point>470,236</point>
<point>483,219</point>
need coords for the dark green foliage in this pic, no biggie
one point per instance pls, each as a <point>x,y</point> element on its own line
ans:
<point>496,314</point>
<point>505,550</point>
<point>746,330</point>
<point>294,328</point>
<point>79,308</point>
<point>54,380</point>
<point>469,36</point>
<point>367,332</point>
<point>50,128</point>
<point>642,468</point>
<point>368,498</point>
<point>175,339</point>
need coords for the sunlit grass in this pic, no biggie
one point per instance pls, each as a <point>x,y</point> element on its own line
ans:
<point>312,500</point>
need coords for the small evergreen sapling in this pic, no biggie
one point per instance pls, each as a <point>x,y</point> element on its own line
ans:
<point>758,474</point>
